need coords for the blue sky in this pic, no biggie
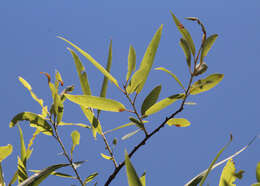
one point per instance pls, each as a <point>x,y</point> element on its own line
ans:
<point>29,46</point>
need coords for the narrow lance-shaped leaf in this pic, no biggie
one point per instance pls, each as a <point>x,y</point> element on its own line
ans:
<point>131,62</point>
<point>206,84</point>
<point>163,104</point>
<point>81,74</point>
<point>106,156</point>
<point>123,126</point>
<point>97,102</point>
<point>59,174</point>
<point>90,178</point>
<point>173,75</point>
<point>151,99</point>
<point>178,122</point>
<point>33,119</point>
<point>23,148</point>
<point>5,151</point>
<point>133,179</point>
<point>258,172</point>
<point>140,76</point>
<point>22,172</point>
<point>137,122</point>
<point>184,32</point>
<point>186,50</point>
<point>75,124</point>
<point>207,46</point>
<point>58,79</point>
<point>94,62</point>
<point>2,182</point>
<point>228,174</point>
<point>75,136</point>
<point>130,134</point>
<point>142,179</point>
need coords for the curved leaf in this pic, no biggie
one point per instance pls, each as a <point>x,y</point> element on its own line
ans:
<point>131,62</point>
<point>5,151</point>
<point>34,119</point>
<point>258,172</point>
<point>151,99</point>
<point>23,148</point>
<point>227,177</point>
<point>186,50</point>
<point>94,62</point>
<point>163,103</point>
<point>90,178</point>
<point>178,122</point>
<point>133,179</point>
<point>173,75</point>
<point>75,136</point>
<point>184,32</point>
<point>206,84</point>
<point>97,102</point>
<point>60,174</point>
<point>140,76</point>
<point>106,156</point>
<point>207,46</point>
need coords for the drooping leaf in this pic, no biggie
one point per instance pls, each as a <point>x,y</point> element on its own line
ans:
<point>227,177</point>
<point>38,177</point>
<point>186,50</point>
<point>131,62</point>
<point>163,103</point>
<point>133,179</point>
<point>206,84</point>
<point>173,75</point>
<point>5,151</point>
<point>178,122</point>
<point>151,99</point>
<point>258,172</point>
<point>90,178</point>
<point>185,34</point>
<point>140,76</point>
<point>75,136</point>
<point>106,156</point>
<point>22,144</point>
<point>142,179</point>
<point>214,161</point>
<point>97,102</point>
<point>75,124</point>
<point>207,46</point>
<point>94,62</point>
<point>59,174</point>
<point>122,126</point>
<point>130,134</point>
<point>33,119</point>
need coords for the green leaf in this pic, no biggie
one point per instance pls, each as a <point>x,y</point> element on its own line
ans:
<point>2,182</point>
<point>214,161</point>
<point>97,102</point>
<point>23,148</point>
<point>133,179</point>
<point>58,79</point>
<point>131,62</point>
<point>142,179</point>
<point>140,76</point>
<point>22,173</point>
<point>14,178</point>
<point>256,184</point>
<point>130,134</point>
<point>227,177</point>
<point>59,174</point>
<point>90,178</point>
<point>75,124</point>
<point>206,84</point>
<point>163,103</point>
<point>106,156</point>
<point>200,69</point>
<point>173,75</point>
<point>75,136</point>
<point>137,122</point>
<point>186,50</point>
<point>38,177</point>
<point>258,172</point>
<point>94,62</point>
<point>151,99</point>
<point>81,73</point>
<point>178,122</point>
<point>207,46</point>
<point>184,32</point>
<point>5,151</point>
<point>122,126</point>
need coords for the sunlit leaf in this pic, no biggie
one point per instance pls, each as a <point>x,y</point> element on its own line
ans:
<point>75,136</point>
<point>133,179</point>
<point>59,174</point>
<point>200,69</point>
<point>97,102</point>
<point>207,46</point>
<point>258,172</point>
<point>29,150</point>
<point>22,144</point>
<point>163,104</point>
<point>94,62</point>
<point>14,178</point>
<point>206,84</point>
<point>75,124</point>
<point>2,182</point>
<point>5,151</point>
<point>178,122</point>
<point>184,32</point>
<point>33,119</point>
<point>151,99</point>
<point>22,173</point>
<point>131,62</point>
<point>58,79</point>
<point>173,75</point>
<point>106,156</point>
<point>90,178</point>
<point>256,184</point>
<point>122,126</point>
<point>41,129</point>
<point>142,179</point>
<point>190,103</point>
<point>68,89</point>
<point>186,50</point>
<point>130,134</point>
<point>38,177</point>
<point>227,177</point>
<point>140,76</point>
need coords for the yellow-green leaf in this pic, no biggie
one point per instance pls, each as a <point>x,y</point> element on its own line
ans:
<point>184,32</point>
<point>163,103</point>
<point>137,122</point>
<point>22,144</point>
<point>60,174</point>
<point>5,151</point>
<point>130,134</point>
<point>140,76</point>
<point>122,126</point>
<point>22,173</point>
<point>97,102</point>
<point>58,79</point>
<point>227,177</point>
<point>258,172</point>
<point>178,122</point>
<point>186,50</point>
<point>42,129</point>
<point>142,179</point>
<point>106,156</point>
<point>90,178</point>
<point>94,62</point>
<point>75,136</point>
<point>131,62</point>
<point>75,124</point>
<point>173,75</point>
<point>2,182</point>
<point>206,84</point>
<point>207,46</point>
<point>133,179</point>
